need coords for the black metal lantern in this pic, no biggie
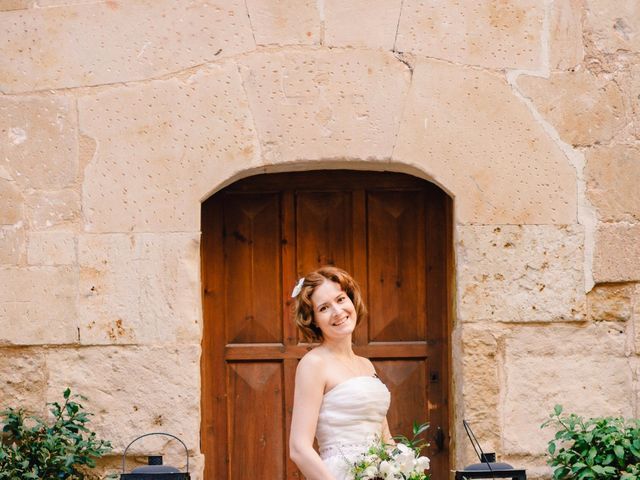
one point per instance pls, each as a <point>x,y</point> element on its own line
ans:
<point>488,467</point>
<point>155,470</point>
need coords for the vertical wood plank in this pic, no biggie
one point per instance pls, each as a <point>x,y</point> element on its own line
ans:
<point>359,264</point>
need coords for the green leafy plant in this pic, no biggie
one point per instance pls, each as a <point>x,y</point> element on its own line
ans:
<point>34,449</point>
<point>598,448</point>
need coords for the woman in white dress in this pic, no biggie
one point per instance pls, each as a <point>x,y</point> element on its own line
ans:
<point>338,397</point>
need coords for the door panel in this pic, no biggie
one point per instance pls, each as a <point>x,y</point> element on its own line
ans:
<point>391,231</point>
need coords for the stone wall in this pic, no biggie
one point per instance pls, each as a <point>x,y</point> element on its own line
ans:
<point>117,118</point>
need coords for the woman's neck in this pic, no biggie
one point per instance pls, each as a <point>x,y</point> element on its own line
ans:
<point>341,348</point>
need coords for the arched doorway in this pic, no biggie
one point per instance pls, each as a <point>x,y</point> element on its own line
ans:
<point>392,232</point>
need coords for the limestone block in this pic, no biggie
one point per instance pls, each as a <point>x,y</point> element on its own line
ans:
<point>132,390</point>
<point>361,23</point>
<point>39,145</point>
<point>583,108</point>
<point>6,5</point>
<point>23,379</point>
<point>526,273</point>
<point>581,367</point>
<point>325,104</point>
<point>53,209</point>
<point>613,26</point>
<point>137,40</point>
<point>12,203</point>
<point>12,244</point>
<point>611,302</point>
<point>612,173</point>
<point>484,32</point>
<point>161,147</point>
<point>481,382</point>
<point>52,248</point>
<point>38,305</point>
<point>139,288</point>
<point>566,49</point>
<point>636,333</point>
<point>467,130</point>
<point>287,22</point>
<point>617,253</point>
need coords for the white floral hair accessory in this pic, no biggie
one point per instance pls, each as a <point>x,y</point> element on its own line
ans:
<point>297,288</point>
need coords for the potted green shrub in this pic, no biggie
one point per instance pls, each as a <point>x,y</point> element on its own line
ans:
<point>35,449</point>
<point>594,448</point>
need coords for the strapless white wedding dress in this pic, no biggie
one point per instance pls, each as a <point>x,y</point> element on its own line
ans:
<point>350,418</point>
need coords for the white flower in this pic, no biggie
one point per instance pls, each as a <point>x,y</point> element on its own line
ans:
<point>388,470</point>
<point>406,459</point>
<point>422,464</point>
<point>370,473</point>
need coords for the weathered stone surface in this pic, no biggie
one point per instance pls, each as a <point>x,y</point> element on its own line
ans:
<point>583,108</point>
<point>481,379</point>
<point>494,34</point>
<point>288,22</point>
<point>127,389</point>
<point>52,248</point>
<point>139,288</point>
<point>361,23</point>
<point>611,302</point>
<point>38,305</point>
<point>138,40</point>
<point>12,244</point>
<point>520,273</point>
<point>39,144</point>
<point>467,131</point>
<point>617,253</point>
<point>172,143</point>
<point>325,104</point>
<point>560,364</point>
<point>613,173</point>
<point>12,203</point>
<point>53,209</point>
<point>613,26</point>
<point>23,379</point>
<point>6,5</point>
<point>566,49</point>
<point>636,334</point>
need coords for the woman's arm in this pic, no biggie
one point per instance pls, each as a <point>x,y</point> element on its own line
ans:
<point>307,399</point>
<point>386,434</point>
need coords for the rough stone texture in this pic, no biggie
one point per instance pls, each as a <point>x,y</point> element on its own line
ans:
<point>560,364</point>
<point>613,26</point>
<point>161,147</point>
<point>139,289</point>
<point>481,374</point>
<point>473,136</point>
<point>23,379</point>
<point>617,253</point>
<point>583,108</point>
<point>138,40</point>
<point>12,203</point>
<point>636,340</point>
<point>612,175</point>
<point>53,209</point>
<point>611,302</point>
<point>12,244</point>
<point>520,273</point>
<point>361,23</point>
<point>127,388</point>
<point>52,248</point>
<point>275,22</point>
<point>38,139</point>
<point>325,104</point>
<point>38,305</point>
<point>6,5</point>
<point>565,43</point>
<point>494,34</point>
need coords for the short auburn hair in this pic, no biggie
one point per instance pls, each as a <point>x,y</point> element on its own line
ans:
<point>303,307</point>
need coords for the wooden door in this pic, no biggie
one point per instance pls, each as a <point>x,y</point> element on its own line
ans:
<point>259,235</point>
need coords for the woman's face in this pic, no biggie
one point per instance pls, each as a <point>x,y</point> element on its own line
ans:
<point>333,310</point>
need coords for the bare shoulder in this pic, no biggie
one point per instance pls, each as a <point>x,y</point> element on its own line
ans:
<point>312,364</point>
<point>368,363</point>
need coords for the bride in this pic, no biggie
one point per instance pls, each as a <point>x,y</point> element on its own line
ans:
<point>338,397</point>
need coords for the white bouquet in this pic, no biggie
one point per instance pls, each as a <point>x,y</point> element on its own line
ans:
<point>401,461</point>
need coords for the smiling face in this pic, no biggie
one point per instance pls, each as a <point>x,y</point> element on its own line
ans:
<point>333,310</point>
